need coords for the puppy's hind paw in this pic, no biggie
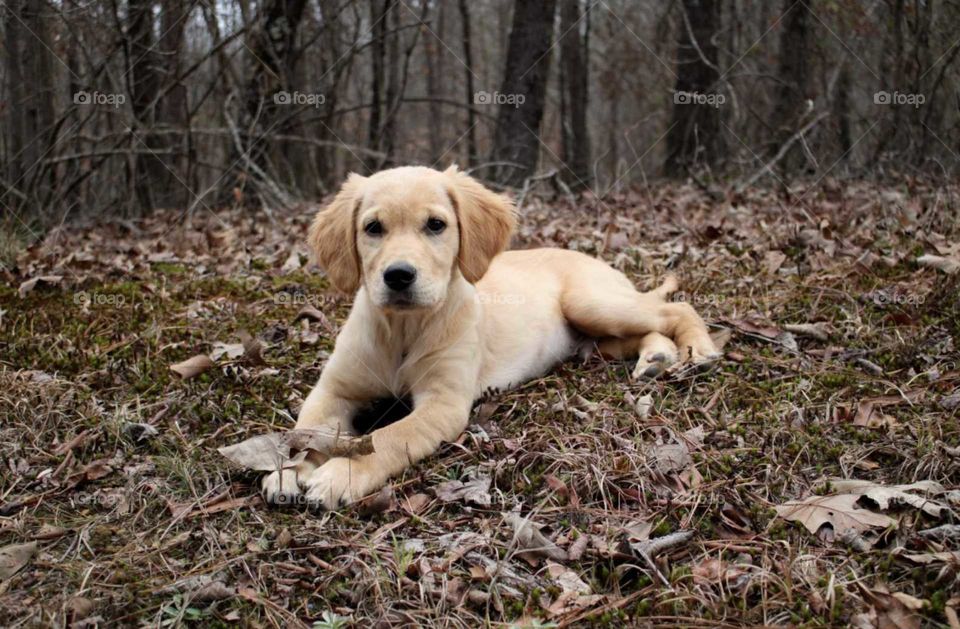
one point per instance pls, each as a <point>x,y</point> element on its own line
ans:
<point>652,364</point>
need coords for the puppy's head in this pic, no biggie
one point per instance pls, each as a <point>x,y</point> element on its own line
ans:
<point>405,233</point>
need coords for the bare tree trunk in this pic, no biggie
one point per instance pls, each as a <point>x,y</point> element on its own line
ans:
<point>388,132</point>
<point>435,71</point>
<point>30,86</point>
<point>173,107</point>
<point>378,15</point>
<point>149,172</point>
<point>794,88</point>
<point>470,89</point>
<point>841,111</point>
<point>694,134</point>
<point>574,75</point>
<point>272,40</point>
<point>525,78</point>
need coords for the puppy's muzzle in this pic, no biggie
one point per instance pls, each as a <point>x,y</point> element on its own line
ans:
<point>399,276</point>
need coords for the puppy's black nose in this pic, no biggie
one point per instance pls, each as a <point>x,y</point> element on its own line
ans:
<point>399,275</point>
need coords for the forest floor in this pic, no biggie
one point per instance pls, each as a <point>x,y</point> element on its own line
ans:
<point>722,499</point>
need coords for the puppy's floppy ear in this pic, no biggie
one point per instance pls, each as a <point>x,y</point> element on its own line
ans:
<point>486,220</point>
<point>333,236</point>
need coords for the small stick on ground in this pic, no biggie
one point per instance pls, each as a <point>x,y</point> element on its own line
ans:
<point>649,549</point>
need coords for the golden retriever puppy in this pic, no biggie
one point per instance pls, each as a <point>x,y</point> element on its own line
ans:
<point>442,314</point>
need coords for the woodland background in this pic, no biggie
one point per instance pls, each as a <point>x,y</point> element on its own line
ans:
<point>117,107</point>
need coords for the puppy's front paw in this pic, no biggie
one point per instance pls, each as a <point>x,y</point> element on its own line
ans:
<point>281,488</point>
<point>341,481</point>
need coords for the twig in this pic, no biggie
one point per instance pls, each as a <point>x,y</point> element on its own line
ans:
<point>768,167</point>
<point>649,549</point>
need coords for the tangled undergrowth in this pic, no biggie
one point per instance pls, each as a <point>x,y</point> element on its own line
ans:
<point>581,498</point>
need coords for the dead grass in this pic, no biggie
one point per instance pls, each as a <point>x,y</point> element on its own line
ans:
<point>151,527</point>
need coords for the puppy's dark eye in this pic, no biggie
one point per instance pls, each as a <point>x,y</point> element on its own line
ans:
<point>436,225</point>
<point>373,228</point>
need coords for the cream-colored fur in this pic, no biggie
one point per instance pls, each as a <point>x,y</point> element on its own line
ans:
<point>473,319</point>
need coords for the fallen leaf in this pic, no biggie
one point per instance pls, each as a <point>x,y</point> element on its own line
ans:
<point>292,262</point>
<point>755,327</point>
<point>716,572</point>
<point>947,265</point>
<point>383,500</point>
<point>928,558</point>
<point>894,610</point>
<point>230,350</point>
<point>192,367</point>
<point>416,503</point>
<point>214,591</point>
<point>30,284</point>
<point>15,557</point>
<point>840,512</point>
<point>269,452</point>
<point>819,331</point>
<point>671,457</point>
<point>773,260</point>
<point>531,541</point>
<point>312,313</point>
<point>643,405</point>
<point>263,453</point>
<point>252,348</point>
<point>884,495</point>
<point>475,491</point>
<point>567,579</point>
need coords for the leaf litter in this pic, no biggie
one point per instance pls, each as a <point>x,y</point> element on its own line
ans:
<point>825,308</point>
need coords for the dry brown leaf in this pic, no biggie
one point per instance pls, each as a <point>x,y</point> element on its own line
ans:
<point>383,500</point>
<point>894,610</point>
<point>773,260</point>
<point>643,406</point>
<point>716,571</point>
<point>263,453</point>
<point>269,452</point>
<point>416,503</point>
<point>840,512</point>
<point>252,348</point>
<point>941,263</point>
<point>819,331</point>
<point>928,558</point>
<point>192,367</point>
<point>292,263</point>
<point>29,285</point>
<point>475,491</point>
<point>15,557</point>
<point>531,541</point>
<point>670,457</point>
<point>883,495</point>
<point>230,350</point>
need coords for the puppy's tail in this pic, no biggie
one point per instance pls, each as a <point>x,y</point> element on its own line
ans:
<point>669,286</point>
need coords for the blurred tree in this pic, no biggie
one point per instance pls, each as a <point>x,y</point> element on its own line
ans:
<point>793,95</point>
<point>517,138</point>
<point>30,90</point>
<point>694,134</point>
<point>574,55</point>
